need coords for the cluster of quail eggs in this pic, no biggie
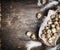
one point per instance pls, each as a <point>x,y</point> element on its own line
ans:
<point>51,32</point>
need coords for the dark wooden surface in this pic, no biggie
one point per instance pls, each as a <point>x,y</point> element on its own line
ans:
<point>17,18</point>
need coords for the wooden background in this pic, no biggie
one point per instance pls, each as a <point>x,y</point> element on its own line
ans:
<point>17,18</point>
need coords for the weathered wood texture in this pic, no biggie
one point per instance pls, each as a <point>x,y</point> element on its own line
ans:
<point>17,18</point>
